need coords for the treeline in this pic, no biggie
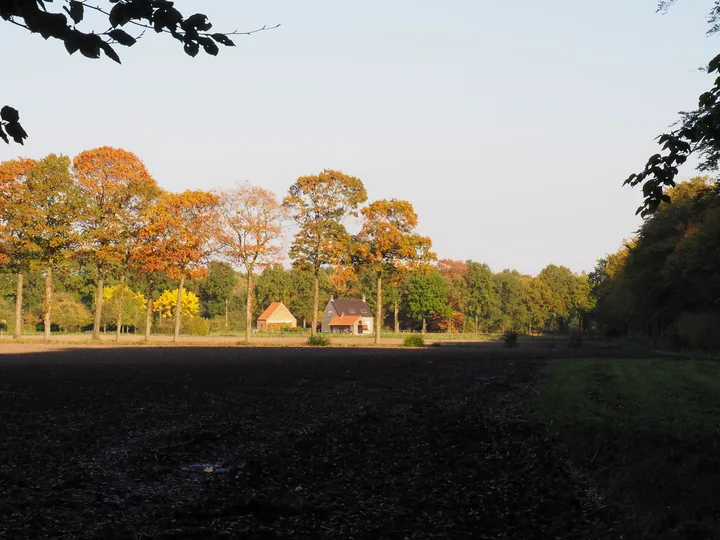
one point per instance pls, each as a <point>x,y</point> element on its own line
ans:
<point>94,243</point>
<point>664,284</point>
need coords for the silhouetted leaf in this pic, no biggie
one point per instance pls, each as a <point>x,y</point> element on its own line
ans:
<point>192,49</point>
<point>110,52</point>
<point>122,37</point>
<point>16,131</point>
<point>8,114</point>
<point>76,11</point>
<point>223,40</point>
<point>199,21</point>
<point>209,45</point>
<point>3,136</point>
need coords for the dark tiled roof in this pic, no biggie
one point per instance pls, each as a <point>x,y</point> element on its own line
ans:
<point>351,307</point>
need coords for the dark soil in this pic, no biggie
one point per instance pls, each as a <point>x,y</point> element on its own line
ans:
<point>281,443</point>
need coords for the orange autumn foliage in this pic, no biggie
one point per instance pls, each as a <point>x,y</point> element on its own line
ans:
<point>117,192</point>
<point>178,238</point>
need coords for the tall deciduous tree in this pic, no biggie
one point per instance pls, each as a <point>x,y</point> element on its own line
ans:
<point>427,295</point>
<point>49,220</point>
<point>319,205</point>
<point>13,206</point>
<point>252,226</point>
<point>117,192</point>
<point>179,239</point>
<point>388,245</point>
<point>454,272</point>
<point>480,291</point>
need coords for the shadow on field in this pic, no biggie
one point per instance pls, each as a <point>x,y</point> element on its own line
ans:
<point>242,442</point>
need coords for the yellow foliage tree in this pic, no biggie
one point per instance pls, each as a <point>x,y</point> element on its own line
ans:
<point>166,304</point>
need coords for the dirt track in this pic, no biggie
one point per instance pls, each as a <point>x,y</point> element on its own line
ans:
<point>279,443</point>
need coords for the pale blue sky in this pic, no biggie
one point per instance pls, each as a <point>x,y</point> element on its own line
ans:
<point>510,125</point>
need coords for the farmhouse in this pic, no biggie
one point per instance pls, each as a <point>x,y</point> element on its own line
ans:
<point>276,317</point>
<point>347,317</point>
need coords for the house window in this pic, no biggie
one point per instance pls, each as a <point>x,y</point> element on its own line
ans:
<point>351,310</point>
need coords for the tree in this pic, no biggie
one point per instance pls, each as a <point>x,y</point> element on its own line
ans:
<point>508,289</point>
<point>697,134</point>
<point>252,225</point>
<point>539,302</point>
<point>178,239</point>
<point>194,32</point>
<point>454,272</point>
<point>480,292</point>
<point>117,193</point>
<point>126,306</point>
<point>388,245</point>
<point>571,294</point>
<point>13,207</point>
<point>318,205</point>
<point>218,289</point>
<point>427,295</point>
<point>48,220</point>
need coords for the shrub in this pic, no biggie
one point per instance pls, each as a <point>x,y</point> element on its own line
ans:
<point>511,339</point>
<point>318,340</point>
<point>196,326</point>
<point>414,340</point>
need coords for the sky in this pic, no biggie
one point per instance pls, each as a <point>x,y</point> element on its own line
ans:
<point>510,126</point>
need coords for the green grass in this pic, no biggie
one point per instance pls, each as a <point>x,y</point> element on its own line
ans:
<point>649,431</point>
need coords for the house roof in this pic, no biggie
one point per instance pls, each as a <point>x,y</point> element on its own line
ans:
<point>347,320</point>
<point>269,311</point>
<point>352,307</point>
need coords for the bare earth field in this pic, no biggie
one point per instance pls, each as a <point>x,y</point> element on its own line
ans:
<point>225,442</point>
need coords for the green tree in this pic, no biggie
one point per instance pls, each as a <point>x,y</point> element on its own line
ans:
<point>217,290</point>
<point>539,302</point>
<point>427,295</point>
<point>508,289</point>
<point>480,292</point>
<point>319,205</point>
<point>274,284</point>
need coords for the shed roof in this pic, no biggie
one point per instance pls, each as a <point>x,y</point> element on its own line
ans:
<point>269,311</point>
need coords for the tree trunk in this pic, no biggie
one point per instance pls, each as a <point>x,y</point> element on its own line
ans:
<point>450,321</point>
<point>248,308</point>
<point>48,302</point>
<point>121,306</point>
<point>98,307</point>
<point>378,310</point>
<point>397,321</point>
<point>17,331</point>
<point>476,325</point>
<point>424,326</point>
<point>304,323</point>
<point>227,301</point>
<point>176,332</point>
<point>316,302</point>
<point>148,318</point>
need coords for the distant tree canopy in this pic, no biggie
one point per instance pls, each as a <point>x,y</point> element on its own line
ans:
<point>697,132</point>
<point>116,22</point>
